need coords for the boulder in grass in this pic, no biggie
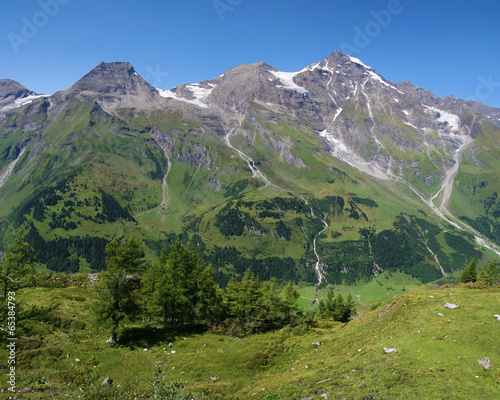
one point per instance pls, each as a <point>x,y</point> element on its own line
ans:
<point>390,350</point>
<point>497,316</point>
<point>485,362</point>
<point>451,305</point>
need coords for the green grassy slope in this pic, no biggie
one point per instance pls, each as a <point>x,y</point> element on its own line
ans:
<point>437,355</point>
<point>88,173</point>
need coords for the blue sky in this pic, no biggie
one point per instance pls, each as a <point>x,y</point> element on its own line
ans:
<point>447,47</point>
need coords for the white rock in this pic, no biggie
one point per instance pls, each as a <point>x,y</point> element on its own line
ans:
<point>390,350</point>
<point>485,362</point>
<point>451,305</point>
<point>431,297</point>
<point>441,315</point>
<point>497,316</point>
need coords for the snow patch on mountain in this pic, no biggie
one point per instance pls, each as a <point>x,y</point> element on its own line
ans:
<point>286,79</point>
<point>198,92</point>
<point>23,101</point>
<point>311,67</point>
<point>358,61</point>
<point>409,124</point>
<point>370,71</point>
<point>446,117</point>
<point>349,156</point>
<point>336,115</point>
<point>379,79</point>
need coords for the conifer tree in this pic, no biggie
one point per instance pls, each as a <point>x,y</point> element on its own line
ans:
<point>18,264</point>
<point>186,289</point>
<point>349,309</point>
<point>272,302</point>
<point>490,273</point>
<point>289,298</point>
<point>469,274</point>
<point>246,302</point>
<point>209,306</point>
<point>339,311</point>
<point>150,283</point>
<point>327,309</point>
<point>115,290</point>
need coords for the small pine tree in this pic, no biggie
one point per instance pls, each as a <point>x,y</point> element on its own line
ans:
<point>490,273</point>
<point>350,308</point>
<point>339,310</point>
<point>116,300</point>
<point>18,265</point>
<point>209,304</point>
<point>469,274</point>
<point>289,298</point>
<point>327,309</point>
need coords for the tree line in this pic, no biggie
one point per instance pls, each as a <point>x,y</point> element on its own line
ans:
<point>490,273</point>
<point>182,290</point>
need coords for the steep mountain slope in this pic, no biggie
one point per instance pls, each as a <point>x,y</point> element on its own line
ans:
<point>331,172</point>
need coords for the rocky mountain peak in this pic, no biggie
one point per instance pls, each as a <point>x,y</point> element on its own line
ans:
<point>110,78</point>
<point>114,84</point>
<point>10,91</point>
<point>8,87</point>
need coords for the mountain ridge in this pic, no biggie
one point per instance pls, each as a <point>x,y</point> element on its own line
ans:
<point>314,163</point>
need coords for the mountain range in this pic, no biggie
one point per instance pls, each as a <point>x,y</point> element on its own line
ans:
<point>329,174</point>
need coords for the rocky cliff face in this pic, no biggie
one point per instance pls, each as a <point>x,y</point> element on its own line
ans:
<point>376,126</point>
<point>382,128</point>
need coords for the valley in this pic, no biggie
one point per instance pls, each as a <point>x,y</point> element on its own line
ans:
<point>301,176</point>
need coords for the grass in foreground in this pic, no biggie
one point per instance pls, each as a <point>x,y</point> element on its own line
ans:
<point>437,355</point>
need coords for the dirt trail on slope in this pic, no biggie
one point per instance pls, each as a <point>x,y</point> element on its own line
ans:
<point>446,189</point>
